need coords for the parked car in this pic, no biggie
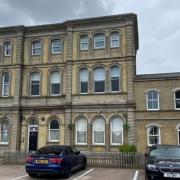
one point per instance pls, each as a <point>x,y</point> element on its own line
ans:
<point>56,160</point>
<point>163,161</point>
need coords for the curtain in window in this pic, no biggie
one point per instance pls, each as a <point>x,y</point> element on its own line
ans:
<point>5,85</point>
<point>98,131</point>
<point>36,48</point>
<point>35,83</point>
<point>153,100</point>
<point>117,131</point>
<point>55,83</point>
<point>154,135</point>
<point>81,131</point>
<point>4,131</point>
<point>115,73</point>
<point>99,80</point>
<point>83,80</point>
<point>54,130</point>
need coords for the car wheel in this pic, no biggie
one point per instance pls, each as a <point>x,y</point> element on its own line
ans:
<point>32,175</point>
<point>67,173</point>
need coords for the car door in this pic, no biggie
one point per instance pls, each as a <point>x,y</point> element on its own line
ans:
<point>72,157</point>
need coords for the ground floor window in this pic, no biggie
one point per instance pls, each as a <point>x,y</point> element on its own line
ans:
<point>4,134</point>
<point>81,131</point>
<point>153,135</point>
<point>54,130</point>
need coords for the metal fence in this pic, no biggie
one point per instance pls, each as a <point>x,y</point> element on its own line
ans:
<point>95,159</point>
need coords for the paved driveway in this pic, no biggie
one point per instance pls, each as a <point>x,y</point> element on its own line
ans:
<point>18,173</point>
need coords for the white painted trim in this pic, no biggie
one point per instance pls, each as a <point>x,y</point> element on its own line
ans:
<point>154,100</point>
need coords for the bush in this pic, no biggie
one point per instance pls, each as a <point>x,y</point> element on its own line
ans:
<point>127,148</point>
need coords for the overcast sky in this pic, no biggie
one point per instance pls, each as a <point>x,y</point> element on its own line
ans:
<point>158,23</point>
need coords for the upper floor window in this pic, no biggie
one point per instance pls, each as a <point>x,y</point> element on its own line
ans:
<point>152,98</point>
<point>83,74</point>
<point>84,45</point>
<point>99,41</point>
<point>36,48</point>
<point>56,46</point>
<point>153,135</point>
<point>99,80</point>
<point>4,133</point>
<point>177,99</point>
<point>114,39</point>
<point>116,131</point>
<point>7,48</point>
<point>54,130</point>
<point>5,84</point>
<point>81,131</point>
<point>35,84</point>
<point>55,83</point>
<point>115,80</point>
<point>99,131</point>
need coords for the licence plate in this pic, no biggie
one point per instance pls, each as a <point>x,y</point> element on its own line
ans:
<point>173,175</point>
<point>41,161</point>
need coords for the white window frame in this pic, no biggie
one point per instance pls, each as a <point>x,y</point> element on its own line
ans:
<point>5,84</point>
<point>147,100</point>
<point>176,99</point>
<point>121,130</point>
<point>38,83</point>
<point>83,131</point>
<point>99,131</point>
<point>159,135</point>
<point>81,42</point>
<point>32,48</point>
<point>60,46</point>
<point>95,40</point>
<point>7,46</point>
<point>4,143</point>
<point>55,83</point>
<point>57,130</point>
<point>112,40</point>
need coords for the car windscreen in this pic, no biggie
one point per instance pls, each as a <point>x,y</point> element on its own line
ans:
<point>49,151</point>
<point>168,152</point>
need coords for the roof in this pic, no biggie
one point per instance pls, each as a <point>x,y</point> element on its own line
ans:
<point>159,76</point>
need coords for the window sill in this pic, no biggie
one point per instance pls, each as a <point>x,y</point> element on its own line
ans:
<point>4,143</point>
<point>57,53</point>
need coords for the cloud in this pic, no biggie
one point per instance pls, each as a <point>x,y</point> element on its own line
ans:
<point>158,23</point>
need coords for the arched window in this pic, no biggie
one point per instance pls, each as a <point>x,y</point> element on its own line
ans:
<point>114,39</point>
<point>99,41</point>
<point>36,47</point>
<point>4,134</point>
<point>84,45</point>
<point>81,131</point>
<point>152,98</point>
<point>5,84</point>
<point>56,46</point>
<point>99,131</point>
<point>35,84</point>
<point>116,131</point>
<point>7,48</point>
<point>55,83</point>
<point>99,80</point>
<point>83,76</point>
<point>153,135</point>
<point>177,99</point>
<point>54,130</point>
<point>115,78</point>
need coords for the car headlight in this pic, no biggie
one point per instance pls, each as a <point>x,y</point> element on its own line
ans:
<point>151,166</point>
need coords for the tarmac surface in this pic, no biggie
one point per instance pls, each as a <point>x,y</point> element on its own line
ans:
<point>11,172</point>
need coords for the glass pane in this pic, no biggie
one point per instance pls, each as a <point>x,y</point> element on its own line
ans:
<point>6,78</point>
<point>115,85</point>
<point>54,124</point>
<point>84,87</point>
<point>35,77</point>
<point>35,89</point>
<point>99,137</point>
<point>55,77</point>
<point>56,43</point>
<point>54,134</point>
<point>115,71</point>
<point>99,74</point>
<point>153,139</point>
<point>4,136</point>
<point>177,94</point>
<point>81,125</point>
<point>83,75</point>
<point>5,90</point>
<point>99,86</point>
<point>81,136</point>
<point>55,88</point>
<point>177,103</point>
<point>99,44</point>
<point>116,125</point>
<point>99,125</point>
<point>153,131</point>
<point>117,137</point>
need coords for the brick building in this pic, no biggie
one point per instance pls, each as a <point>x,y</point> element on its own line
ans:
<point>75,83</point>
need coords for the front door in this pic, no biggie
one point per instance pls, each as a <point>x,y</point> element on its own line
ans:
<point>33,136</point>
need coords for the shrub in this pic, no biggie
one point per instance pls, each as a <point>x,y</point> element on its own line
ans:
<point>127,148</point>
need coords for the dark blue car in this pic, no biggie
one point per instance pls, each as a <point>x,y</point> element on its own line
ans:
<point>55,160</point>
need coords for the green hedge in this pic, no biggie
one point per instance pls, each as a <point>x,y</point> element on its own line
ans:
<point>127,148</point>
